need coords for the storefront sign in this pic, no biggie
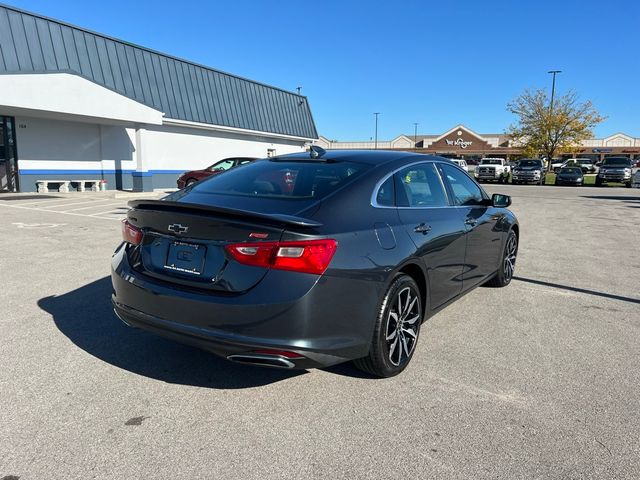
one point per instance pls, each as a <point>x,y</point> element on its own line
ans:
<point>458,142</point>
<point>602,150</point>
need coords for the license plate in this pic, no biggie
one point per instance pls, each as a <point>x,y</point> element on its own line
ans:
<point>186,258</point>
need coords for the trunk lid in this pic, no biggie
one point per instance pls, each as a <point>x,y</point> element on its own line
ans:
<point>184,244</point>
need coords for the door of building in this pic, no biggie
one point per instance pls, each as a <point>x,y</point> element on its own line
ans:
<point>8,157</point>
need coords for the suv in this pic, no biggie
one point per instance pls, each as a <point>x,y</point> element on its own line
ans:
<point>494,169</point>
<point>529,170</point>
<point>614,169</point>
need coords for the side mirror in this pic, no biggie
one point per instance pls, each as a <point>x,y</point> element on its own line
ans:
<point>499,200</point>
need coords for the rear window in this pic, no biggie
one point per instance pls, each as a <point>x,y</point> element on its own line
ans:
<point>312,180</point>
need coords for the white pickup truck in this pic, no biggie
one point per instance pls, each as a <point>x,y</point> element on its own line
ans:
<point>492,169</point>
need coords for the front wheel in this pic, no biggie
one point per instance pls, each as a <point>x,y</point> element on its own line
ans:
<point>508,263</point>
<point>396,330</point>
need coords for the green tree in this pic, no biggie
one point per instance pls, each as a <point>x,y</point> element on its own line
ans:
<point>542,128</point>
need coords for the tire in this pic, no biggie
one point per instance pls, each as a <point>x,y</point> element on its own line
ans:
<point>507,262</point>
<point>402,301</point>
<point>190,182</point>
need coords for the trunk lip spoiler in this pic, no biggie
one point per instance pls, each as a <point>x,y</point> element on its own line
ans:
<point>273,217</point>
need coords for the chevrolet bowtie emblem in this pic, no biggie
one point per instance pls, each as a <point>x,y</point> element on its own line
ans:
<point>177,228</point>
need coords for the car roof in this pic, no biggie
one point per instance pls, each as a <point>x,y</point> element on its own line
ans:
<point>371,157</point>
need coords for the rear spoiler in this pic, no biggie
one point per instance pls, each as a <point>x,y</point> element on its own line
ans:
<point>182,206</point>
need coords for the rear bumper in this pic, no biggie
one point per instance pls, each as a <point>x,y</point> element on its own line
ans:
<point>327,320</point>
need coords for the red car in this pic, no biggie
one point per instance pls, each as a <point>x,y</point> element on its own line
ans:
<point>188,178</point>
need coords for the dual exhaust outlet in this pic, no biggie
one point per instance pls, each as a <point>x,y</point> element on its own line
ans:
<point>262,360</point>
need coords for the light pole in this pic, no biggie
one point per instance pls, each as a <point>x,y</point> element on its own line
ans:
<point>553,88</point>
<point>415,134</point>
<point>376,141</point>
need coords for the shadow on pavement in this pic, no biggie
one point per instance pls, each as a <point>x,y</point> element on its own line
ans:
<point>628,198</point>
<point>580,290</point>
<point>86,317</point>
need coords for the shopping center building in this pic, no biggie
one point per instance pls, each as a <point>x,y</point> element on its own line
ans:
<point>462,142</point>
<point>76,104</point>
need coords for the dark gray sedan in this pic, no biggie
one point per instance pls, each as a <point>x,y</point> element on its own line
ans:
<point>312,259</point>
<point>570,176</point>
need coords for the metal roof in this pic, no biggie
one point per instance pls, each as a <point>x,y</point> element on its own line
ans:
<point>183,90</point>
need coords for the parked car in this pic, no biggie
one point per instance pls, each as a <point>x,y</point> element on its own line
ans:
<point>586,164</point>
<point>614,169</point>
<point>461,163</point>
<point>191,177</point>
<point>492,169</point>
<point>345,266</point>
<point>570,176</point>
<point>529,170</point>
<point>636,180</point>
<point>557,164</point>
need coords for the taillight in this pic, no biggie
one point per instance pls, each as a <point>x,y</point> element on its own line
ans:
<point>307,256</point>
<point>130,233</point>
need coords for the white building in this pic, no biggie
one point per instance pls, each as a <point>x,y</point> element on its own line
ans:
<point>77,105</point>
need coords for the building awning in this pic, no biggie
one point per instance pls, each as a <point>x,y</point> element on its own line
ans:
<point>72,97</point>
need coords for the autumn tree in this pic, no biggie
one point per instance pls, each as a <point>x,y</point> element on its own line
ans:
<point>543,128</point>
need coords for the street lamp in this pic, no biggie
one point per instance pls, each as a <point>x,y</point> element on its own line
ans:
<point>376,141</point>
<point>553,88</point>
<point>415,134</point>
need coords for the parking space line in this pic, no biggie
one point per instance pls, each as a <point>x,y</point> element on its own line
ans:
<point>91,206</point>
<point>93,202</point>
<point>55,211</point>
<point>45,200</point>
<point>108,211</point>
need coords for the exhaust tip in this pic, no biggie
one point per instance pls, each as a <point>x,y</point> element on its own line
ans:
<point>262,360</point>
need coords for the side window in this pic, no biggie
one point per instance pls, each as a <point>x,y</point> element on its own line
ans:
<point>386,193</point>
<point>223,165</point>
<point>419,186</point>
<point>465,190</point>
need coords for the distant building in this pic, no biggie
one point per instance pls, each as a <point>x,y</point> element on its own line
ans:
<point>462,142</point>
<point>75,104</point>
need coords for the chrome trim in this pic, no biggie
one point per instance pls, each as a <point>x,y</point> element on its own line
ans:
<point>374,196</point>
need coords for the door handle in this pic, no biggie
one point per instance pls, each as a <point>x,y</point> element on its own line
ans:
<point>423,228</point>
<point>471,222</point>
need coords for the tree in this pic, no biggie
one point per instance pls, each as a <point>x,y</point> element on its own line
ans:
<point>547,129</point>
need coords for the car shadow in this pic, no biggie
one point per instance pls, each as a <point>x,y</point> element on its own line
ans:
<point>579,290</point>
<point>85,317</point>
<point>628,198</point>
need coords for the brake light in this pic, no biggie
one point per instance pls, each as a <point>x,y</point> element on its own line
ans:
<point>307,256</point>
<point>130,233</point>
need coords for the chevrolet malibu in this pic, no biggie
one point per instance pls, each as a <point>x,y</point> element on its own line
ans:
<point>312,259</point>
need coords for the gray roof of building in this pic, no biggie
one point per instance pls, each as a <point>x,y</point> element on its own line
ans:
<point>183,90</point>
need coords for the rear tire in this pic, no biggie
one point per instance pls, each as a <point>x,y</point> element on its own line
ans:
<point>507,263</point>
<point>190,182</point>
<point>396,331</point>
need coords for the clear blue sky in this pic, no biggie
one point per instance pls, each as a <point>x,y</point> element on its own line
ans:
<point>436,63</point>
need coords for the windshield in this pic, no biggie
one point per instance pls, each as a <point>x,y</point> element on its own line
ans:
<point>617,162</point>
<point>491,162</point>
<point>529,163</point>
<point>283,179</point>
<point>571,170</point>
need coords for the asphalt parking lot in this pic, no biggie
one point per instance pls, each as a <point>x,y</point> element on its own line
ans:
<point>537,380</point>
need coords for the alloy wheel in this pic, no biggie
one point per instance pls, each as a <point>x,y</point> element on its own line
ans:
<point>511,251</point>
<point>403,322</point>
